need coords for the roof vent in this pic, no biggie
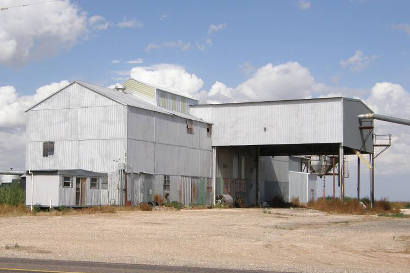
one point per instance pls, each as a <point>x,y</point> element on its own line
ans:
<point>119,87</point>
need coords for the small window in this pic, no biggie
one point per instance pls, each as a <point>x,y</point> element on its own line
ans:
<point>48,148</point>
<point>67,182</point>
<point>94,183</point>
<point>104,183</point>
<point>209,130</point>
<point>189,126</point>
<point>167,183</point>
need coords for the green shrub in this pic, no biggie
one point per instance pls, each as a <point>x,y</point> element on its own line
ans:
<point>12,194</point>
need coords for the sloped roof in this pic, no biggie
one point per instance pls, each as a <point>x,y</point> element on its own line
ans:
<point>164,89</point>
<point>124,99</point>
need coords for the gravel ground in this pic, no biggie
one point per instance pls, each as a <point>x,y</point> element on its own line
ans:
<point>294,240</point>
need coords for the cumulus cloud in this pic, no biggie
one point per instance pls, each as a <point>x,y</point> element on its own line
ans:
<point>12,121</point>
<point>215,28</point>
<point>392,99</point>
<point>132,23</point>
<point>169,76</point>
<point>269,82</point>
<point>38,30</point>
<point>303,4</point>
<point>358,61</point>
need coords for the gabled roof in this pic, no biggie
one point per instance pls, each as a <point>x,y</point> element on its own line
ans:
<point>124,99</point>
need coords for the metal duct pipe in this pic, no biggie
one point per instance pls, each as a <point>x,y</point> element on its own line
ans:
<point>385,118</point>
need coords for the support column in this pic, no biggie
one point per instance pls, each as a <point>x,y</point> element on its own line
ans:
<point>358,178</point>
<point>213,176</point>
<point>333,176</point>
<point>372,181</point>
<point>341,171</point>
<point>257,176</point>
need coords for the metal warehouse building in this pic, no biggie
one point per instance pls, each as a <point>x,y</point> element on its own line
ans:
<point>89,145</point>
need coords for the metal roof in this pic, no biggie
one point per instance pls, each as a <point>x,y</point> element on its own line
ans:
<point>124,99</point>
<point>281,102</point>
<point>165,89</point>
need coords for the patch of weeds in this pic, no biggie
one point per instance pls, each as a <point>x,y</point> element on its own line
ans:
<point>407,206</point>
<point>395,215</point>
<point>174,204</point>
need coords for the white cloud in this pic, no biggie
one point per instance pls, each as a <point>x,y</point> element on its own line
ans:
<point>136,61</point>
<point>303,4</point>
<point>269,82</point>
<point>392,99</point>
<point>358,61</point>
<point>115,61</point>
<point>183,46</point>
<point>38,30</point>
<point>98,22</point>
<point>169,76</point>
<point>402,27</point>
<point>215,28</point>
<point>132,23</point>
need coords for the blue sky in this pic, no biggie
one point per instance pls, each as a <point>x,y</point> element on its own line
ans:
<point>267,31</point>
<point>215,50</point>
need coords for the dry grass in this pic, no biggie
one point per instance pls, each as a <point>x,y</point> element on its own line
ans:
<point>21,210</point>
<point>353,206</point>
<point>8,210</point>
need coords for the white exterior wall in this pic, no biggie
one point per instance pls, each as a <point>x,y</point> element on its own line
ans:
<point>292,122</point>
<point>45,190</point>
<point>88,129</point>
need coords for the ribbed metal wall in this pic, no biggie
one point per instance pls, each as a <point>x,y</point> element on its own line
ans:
<point>274,123</point>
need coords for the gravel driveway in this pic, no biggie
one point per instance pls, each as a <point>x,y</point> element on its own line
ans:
<point>294,240</point>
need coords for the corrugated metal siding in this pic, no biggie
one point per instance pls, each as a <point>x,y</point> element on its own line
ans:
<point>74,96</point>
<point>302,186</point>
<point>352,135</point>
<point>159,143</point>
<point>139,88</point>
<point>285,123</point>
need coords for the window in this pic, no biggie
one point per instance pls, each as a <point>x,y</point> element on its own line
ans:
<point>104,183</point>
<point>67,182</point>
<point>189,126</point>
<point>48,148</point>
<point>167,183</point>
<point>94,183</point>
<point>209,130</point>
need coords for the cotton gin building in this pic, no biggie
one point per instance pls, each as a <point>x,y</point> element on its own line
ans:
<point>88,145</point>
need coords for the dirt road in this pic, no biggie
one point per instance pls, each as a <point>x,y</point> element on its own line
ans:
<point>294,240</point>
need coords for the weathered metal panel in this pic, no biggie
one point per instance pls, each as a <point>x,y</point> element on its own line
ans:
<point>353,137</point>
<point>44,191</point>
<point>302,186</point>
<point>291,122</point>
<point>140,88</point>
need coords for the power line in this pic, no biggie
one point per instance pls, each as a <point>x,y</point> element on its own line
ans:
<point>26,5</point>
